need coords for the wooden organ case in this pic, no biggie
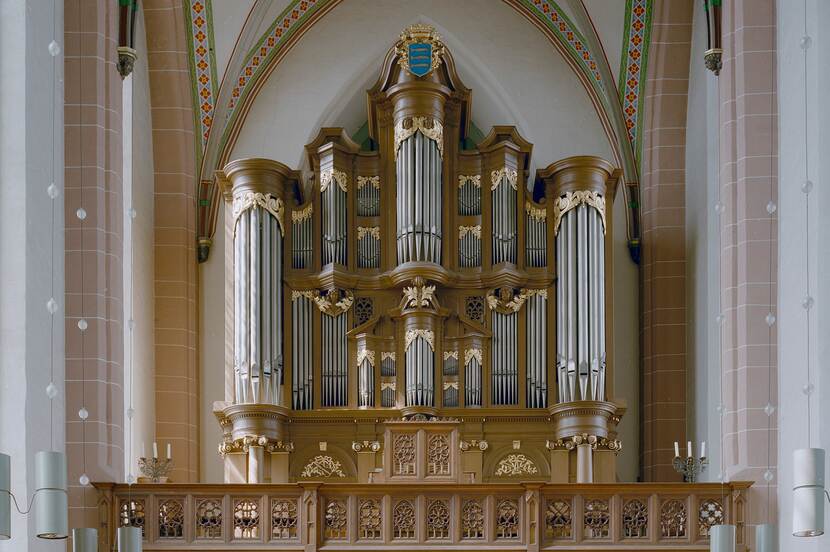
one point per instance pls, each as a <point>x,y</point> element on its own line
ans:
<point>415,311</point>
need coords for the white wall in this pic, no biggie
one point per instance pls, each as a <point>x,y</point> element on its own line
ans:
<point>702,246</point>
<point>139,273</point>
<point>793,251</point>
<point>29,252</point>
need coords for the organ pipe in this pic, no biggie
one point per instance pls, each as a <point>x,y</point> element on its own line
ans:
<point>366,378</point>
<point>472,377</point>
<point>302,376</point>
<point>504,374</point>
<point>301,237</point>
<point>257,225</point>
<point>504,190</point>
<point>536,347</point>
<point>420,368</point>
<point>334,370</point>
<point>419,193</point>
<point>333,188</point>
<point>580,293</point>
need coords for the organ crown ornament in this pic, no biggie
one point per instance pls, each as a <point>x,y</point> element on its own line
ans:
<point>419,49</point>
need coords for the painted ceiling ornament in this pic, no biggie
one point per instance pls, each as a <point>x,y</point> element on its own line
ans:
<point>429,127</point>
<point>474,179</point>
<point>333,175</point>
<point>302,214</point>
<point>248,200</point>
<point>516,464</point>
<point>419,295</point>
<point>419,49</point>
<point>504,174</point>
<point>536,213</point>
<point>373,181</point>
<point>427,335</point>
<point>323,466</point>
<point>334,302</point>
<point>572,200</point>
<point>471,354</point>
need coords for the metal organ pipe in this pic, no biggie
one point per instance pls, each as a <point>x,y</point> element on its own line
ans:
<point>536,335</point>
<point>302,340</point>
<point>580,294</point>
<point>419,169</point>
<point>420,372</point>
<point>257,247</point>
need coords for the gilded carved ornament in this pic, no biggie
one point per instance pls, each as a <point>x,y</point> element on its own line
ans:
<point>243,444</point>
<point>474,230</point>
<point>419,294</point>
<point>429,127</point>
<point>248,200</point>
<point>303,214</point>
<point>373,181</point>
<point>516,464</point>
<point>507,303</point>
<point>365,354</point>
<point>387,355</point>
<point>334,303</point>
<point>373,231</point>
<point>450,385</point>
<point>419,33</point>
<point>536,213</point>
<point>308,294</point>
<point>504,174</point>
<point>426,335</point>
<point>366,446</point>
<point>570,443</point>
<point>450,354</point>
<point>474,179</point>
<point>323,466</point>
<point>333,175</point>
<point>471,354</point>
<point>387,385</point>
<point>479,444</point>
<point>572,200</point>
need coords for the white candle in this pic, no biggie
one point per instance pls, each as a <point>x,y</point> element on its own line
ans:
<point>676,449</point>
<point>169,453</point>
<point>703,449</point>
<point>155,450</point>
<point>689,449</point>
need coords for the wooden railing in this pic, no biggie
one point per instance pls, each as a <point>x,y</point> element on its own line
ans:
<point>523,516</point>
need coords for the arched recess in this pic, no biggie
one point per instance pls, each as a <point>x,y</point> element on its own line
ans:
<point>315,462</point>
<point>514,465</point>
<point>253,67</point>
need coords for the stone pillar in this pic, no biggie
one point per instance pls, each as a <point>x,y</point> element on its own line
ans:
<point>584,463</point>
<point>256,464</point>
<point>472,460</point>
<point>663,396</point>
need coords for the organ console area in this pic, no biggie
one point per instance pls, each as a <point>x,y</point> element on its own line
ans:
<point>419,306</point>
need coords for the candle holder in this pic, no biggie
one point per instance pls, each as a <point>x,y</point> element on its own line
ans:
<point>154,470</point>
<point>690,467</point>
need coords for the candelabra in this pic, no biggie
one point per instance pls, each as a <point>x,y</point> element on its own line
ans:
<point>690,466</point>
<point>155,470</point>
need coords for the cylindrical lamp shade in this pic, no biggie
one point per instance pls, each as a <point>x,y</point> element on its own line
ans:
<point>5,497</point>
<point>129,539</point>
<point>808,492</point>
<point>766,538</point>
<point>51,503</point>
<point>84,539</point>
<point>722,538</point>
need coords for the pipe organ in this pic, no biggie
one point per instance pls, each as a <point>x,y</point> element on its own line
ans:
<point>420,278</point>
